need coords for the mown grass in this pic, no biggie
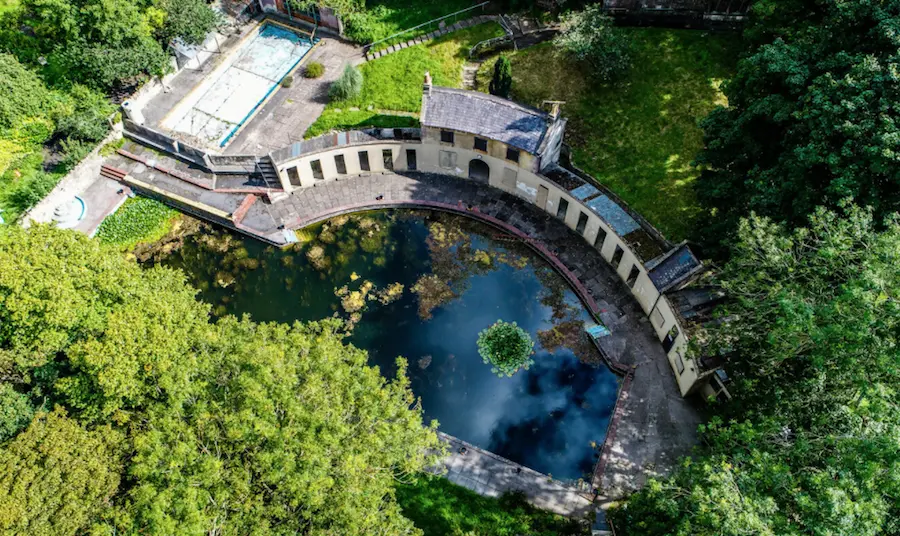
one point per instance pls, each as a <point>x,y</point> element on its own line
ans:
<point>637,136</point>
<point>441,508</point>
<point>383,18</point>
<point>139,220</point>
<point>394,82</point>
<point>356,121</point>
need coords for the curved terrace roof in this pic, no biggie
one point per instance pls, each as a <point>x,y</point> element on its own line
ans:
<point>485,115</point>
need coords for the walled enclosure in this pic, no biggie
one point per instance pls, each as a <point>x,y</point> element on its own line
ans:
<point>520,179</point>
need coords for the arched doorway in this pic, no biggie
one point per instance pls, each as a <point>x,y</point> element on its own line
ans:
<point>479,170</point>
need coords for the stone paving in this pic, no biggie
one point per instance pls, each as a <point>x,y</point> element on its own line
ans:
<point>491,475</point>
<point>655,426</point>
<point>285,116</point>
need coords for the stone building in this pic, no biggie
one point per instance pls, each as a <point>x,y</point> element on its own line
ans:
<point>516,149</point>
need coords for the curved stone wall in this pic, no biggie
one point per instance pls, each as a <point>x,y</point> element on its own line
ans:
<point>299,168</point>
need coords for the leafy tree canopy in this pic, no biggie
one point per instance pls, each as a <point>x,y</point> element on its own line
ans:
<point>56,476</point>
<point>591,37</point>
<point>191,20</point>
<point>810,443</point>
<point>226,427</point>
<point>812,115</point>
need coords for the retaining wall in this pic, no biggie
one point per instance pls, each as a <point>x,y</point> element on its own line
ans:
<point>537,189</point>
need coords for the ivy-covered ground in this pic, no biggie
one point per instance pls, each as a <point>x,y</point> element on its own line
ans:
<point>394,82</point>
<point>639,135</point>
<point>139,220</point>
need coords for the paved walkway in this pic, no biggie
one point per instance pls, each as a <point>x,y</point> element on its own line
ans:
<point>655,425</point>
<point>491,475</point>
<point>467,23</point>
<point>285,116</point>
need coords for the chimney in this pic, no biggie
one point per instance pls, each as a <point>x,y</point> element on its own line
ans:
<point>426,87</point>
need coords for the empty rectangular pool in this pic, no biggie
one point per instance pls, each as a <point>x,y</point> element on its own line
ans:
<point>231,94</point>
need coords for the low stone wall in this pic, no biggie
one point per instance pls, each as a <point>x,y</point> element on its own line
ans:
<point>537,189</point>
<point>74,182</point>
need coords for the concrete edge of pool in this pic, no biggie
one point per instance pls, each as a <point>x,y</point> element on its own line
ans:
<point>184,107</point>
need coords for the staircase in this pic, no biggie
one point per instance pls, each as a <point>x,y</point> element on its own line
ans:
<point>470,74</point>
<point>269,175</point>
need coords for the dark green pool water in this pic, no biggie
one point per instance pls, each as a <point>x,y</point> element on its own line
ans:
<point>458,277</point>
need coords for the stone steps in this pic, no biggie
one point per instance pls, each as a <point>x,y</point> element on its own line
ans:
<point>369,56</point>
<point>470,75</point>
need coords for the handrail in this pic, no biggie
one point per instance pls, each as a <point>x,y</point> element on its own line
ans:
<point>370,45</point>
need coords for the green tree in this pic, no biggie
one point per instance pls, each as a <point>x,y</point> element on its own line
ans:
<point>190,20</point>
<point>56,477</point>
<point>232,427</point>
<point>809,443</point>
<point>16,411</point>
<point>291,432</point>
<point>811,116</point>
<point>348,85</point>
<point>506,347</point>
<point>98,43</point>
<point>92,329</point>
<point>591,37</point>
<point>501,82</point>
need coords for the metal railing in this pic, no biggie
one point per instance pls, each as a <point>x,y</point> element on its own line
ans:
<point>424,28</point>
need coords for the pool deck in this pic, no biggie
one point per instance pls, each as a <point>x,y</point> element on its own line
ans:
<point>284,116</point>
<point>652,426</point>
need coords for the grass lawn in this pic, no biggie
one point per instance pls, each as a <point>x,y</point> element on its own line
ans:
<point>394,82</point>
<point>383,18</point>
<point>441,508</point>
<point>639,135</point>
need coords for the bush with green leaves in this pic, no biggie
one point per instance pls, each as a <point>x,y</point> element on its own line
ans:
<point>506,347</point>
<point>188,20</point>
<point>348,85</point>
<point>27,191</point>
<point>501,83</point>
<point>16,411</point>
<point>591,37</point>
<point>87,119</point>
<point>314,69</point>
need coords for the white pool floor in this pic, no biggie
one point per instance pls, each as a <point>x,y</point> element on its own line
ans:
<point>225,100</point>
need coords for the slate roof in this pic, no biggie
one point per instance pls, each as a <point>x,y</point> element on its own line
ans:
<point>485,115</point>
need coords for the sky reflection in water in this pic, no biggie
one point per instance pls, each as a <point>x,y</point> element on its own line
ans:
<point>550,417</point>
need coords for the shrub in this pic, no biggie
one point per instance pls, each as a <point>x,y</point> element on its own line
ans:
<point>507,347</point>
<point>28,191</point>
<point>74,151</point>
<point>348,85</point>
<point>88,118</point>
<point>314,70</point>
<point>501,83</point>
<point>287,81</point>
<point>590,37</point>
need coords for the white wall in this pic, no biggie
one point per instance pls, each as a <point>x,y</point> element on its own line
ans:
<point>655,305</point>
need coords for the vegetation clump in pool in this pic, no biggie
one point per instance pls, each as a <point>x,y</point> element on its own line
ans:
<point>424,285</point>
